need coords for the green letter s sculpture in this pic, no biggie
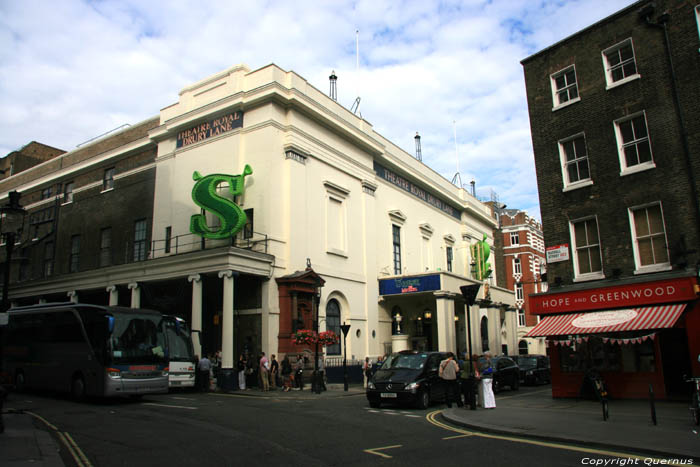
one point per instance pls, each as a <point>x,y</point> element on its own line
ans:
<point>204,195</point>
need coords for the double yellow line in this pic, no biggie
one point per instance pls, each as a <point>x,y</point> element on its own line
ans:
<point>78,455</point>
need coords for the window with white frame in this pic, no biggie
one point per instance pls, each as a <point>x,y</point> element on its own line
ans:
<point>521,317</point>
<point>519,291</point>
<point>517,267</point>
<point>574,161</point>
<point>587,257</point>
<point>620,65</point>
<point>449,258</point>
<point>68,192</point>
<point>514,238</point>
<point>108,179</point>
<point>564,87</point>
<point>633,143</point>
<point>396,242</point>
<point>649,237</point>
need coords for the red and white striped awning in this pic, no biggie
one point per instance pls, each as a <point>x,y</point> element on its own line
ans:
<point>594,322</point>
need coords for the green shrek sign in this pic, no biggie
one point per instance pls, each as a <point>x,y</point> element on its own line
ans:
<point>480,254</point>
<point>204,195</point>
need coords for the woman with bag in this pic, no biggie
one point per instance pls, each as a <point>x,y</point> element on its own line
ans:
<point>489,401</point>
<point>367,370</point>
<point>287,373</point>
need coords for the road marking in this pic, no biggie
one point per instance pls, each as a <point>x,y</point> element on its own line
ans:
<point>170,406</point>
<point>184,398</point>
<point>79,457</point>
<point>244,396</point>
<point>431,419</point>
<point>458,436</point>
<point>82,456</point>
<point>381,454</point>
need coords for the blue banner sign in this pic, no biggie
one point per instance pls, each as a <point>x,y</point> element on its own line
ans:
<point>409,284</point>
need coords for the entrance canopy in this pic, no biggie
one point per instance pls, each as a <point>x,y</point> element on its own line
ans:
<point>631,319</point>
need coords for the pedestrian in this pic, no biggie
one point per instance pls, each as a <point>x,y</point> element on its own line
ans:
<point>470,377</point>
<point>489,401</point>
<point>367,370</point>
<point>203,368</point>
<point>322,373</point>
<point>274,372</point>
<point>264,369</point>
<point>448,372</point>
<point>287,373</point>
<point>299,373</point>
<point>240,366</point>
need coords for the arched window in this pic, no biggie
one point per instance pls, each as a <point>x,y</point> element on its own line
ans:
<point>522,348</point>
<point>333,324</point>
<point>484,334</point>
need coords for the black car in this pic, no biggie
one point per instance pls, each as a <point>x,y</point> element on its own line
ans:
<point>408,377</point>
<point>505,372</point>
<point>534,369</point>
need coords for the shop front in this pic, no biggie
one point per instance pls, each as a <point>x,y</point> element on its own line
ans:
<point>638,336</point>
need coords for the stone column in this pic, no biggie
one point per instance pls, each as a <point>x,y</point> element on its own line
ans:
<point>196,280</point>
<point>445,318</point>
<point>135,294</point>
<point>227,319</point>
<point>113,295</point>
<point>73,296</point>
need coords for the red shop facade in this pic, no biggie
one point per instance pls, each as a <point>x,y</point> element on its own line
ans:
<point>632,334</point>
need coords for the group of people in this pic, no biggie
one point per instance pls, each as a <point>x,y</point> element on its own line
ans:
<point>272,374</point>
<point>207,366</point>
<point>476,377</point>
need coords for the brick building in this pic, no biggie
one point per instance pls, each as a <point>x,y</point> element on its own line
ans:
<point>616,135</point>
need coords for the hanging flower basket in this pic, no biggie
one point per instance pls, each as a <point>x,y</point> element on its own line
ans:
<point>328,338</point>
<point>304,336</point>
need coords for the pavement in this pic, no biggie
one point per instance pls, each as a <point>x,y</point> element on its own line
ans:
<point>530,413</point>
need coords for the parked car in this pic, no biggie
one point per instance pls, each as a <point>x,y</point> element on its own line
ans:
<point>505,372</point>
<point>534,369</point>
<point>408,377</point>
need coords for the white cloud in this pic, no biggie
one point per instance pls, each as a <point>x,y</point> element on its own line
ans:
<point>72,70</point>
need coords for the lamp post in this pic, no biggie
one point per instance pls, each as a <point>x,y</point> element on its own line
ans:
<point>469,292</point>
<point>11,212</point>
<point>316,384</point>
<point>345,328</point>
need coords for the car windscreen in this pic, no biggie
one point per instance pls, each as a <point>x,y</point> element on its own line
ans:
<point>527,362</point>
<point>405,361</point>
<point>137,338</point>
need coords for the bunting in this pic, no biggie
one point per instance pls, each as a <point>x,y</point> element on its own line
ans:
<point>606,340</point>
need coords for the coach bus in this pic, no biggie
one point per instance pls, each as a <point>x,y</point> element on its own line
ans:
<point>180,352</point>
<point>87,350</point>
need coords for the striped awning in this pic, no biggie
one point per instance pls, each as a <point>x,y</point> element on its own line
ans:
<point>595,322</point>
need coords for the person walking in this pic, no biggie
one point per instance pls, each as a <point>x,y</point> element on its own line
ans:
<point>264,369</point>
<point>470,380</point>
<point>241,365</point>
<point>287,373</point>
<point>489,401</point>
<point>274,372</point>
<point>448,372</point>
<point>322,373</point>
<point>367,370</point>
<point>299,373</point>
<point>203,368</point>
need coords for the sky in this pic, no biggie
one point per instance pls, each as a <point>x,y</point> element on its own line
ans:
<point>71,70</point>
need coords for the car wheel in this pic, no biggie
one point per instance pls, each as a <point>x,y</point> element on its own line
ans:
<point>77,388</point>
<point>423,401</point>
<point>375,404</point>
<point>20,383</point>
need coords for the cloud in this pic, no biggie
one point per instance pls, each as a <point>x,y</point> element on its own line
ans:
<point>71,70</point>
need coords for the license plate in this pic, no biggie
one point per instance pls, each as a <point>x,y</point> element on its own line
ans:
<point>175,383</point>
<point>390,395</point>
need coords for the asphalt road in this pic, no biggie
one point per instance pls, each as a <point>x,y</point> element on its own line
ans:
<point>194,429</point>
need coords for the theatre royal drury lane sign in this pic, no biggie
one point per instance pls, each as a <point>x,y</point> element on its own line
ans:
<point>209,129</point>
<point>666,291</point>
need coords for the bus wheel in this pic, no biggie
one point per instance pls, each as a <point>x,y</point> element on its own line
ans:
<point>20,384</point>
<point>78,388</point>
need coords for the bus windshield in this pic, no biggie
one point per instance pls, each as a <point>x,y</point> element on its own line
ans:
<point>137,338</point>
<point>179,340</point>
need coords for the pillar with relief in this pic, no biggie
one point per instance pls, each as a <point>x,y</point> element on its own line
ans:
<point>135,294</point>
<point>196,281</point>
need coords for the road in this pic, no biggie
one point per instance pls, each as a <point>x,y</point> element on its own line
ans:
<point>253,429</point>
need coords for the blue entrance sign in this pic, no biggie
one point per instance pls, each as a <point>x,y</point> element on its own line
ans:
<point>409,284</point>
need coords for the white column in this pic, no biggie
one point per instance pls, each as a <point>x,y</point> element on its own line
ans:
<point>135,295</point>
<point>196,280</point>
<point>445,311</point>
<point>113,295</point>
<point>73,296</point>
<point>227,319</point>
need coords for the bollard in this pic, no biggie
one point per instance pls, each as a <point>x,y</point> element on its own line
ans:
<point>651,403</point>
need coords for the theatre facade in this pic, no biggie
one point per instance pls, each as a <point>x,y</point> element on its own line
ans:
<point>250,205</point>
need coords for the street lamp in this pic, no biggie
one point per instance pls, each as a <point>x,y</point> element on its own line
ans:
<point>316,384</point>
<point>345,328</point>
<point>469,292</point>
<point>11,212</point>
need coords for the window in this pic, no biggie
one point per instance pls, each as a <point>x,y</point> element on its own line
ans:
<point>333,324</point>
<point>46,193</point>
<point>633,144</point>
<point>68,193</point>
<point>574,160</point>
<point>649,237</point>
<point>620,66</point>
<point>168,238</point>
<point>108,179</point>
<point>517,267</point>
<point>449,258</point>
<point>564,87</point>
<point>514,238</point>
<point>396,240</point>
<point>335,227</point>
<point>519,291</point>
<point>105,247</point>
<point>521,317</point>
<point>249,222</point>
<point>587,259</point>
<point>48,259</point>
<point>74,253</point>
<point>140,240</point>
